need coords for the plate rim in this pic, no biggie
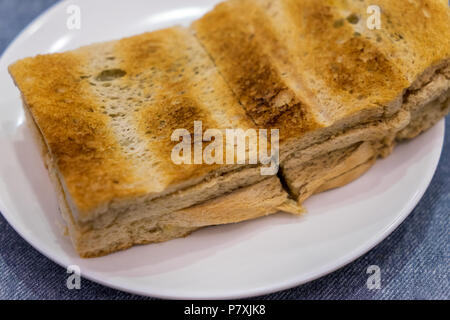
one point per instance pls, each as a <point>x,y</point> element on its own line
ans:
<point>326,269</point>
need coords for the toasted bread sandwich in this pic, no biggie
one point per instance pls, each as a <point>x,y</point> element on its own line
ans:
<point>339,94</point>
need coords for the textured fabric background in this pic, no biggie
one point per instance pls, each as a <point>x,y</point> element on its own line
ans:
<point>414,260</point>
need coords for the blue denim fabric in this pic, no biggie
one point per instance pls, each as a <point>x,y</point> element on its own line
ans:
<point>414,260</point>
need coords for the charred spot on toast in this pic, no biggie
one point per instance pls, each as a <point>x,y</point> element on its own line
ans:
<point>353,18</point>
<point>110,74</point>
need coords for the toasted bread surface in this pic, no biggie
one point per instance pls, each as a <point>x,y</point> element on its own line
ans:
<point>306,65</point>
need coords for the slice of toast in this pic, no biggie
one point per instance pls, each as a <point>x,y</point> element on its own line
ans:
<point>107,112</point>
<point>314,68</point>
<point>317,71</point>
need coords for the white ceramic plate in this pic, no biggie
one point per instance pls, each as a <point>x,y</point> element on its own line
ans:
<point>246,259</point>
